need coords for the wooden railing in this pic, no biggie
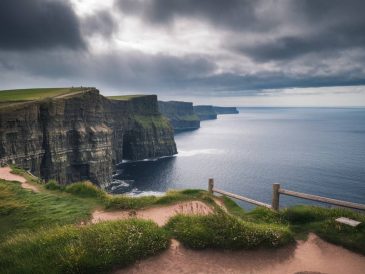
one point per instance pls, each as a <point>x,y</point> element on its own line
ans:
<point>276,197</point>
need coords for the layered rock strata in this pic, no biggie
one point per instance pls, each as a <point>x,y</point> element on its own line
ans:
<point>83,135</point>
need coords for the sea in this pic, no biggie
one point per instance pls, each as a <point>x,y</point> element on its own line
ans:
<point>318,151</point>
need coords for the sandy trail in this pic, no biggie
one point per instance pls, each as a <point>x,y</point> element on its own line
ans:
<point>5,174</point>
<point>160,215</point>
<point>310,256</point>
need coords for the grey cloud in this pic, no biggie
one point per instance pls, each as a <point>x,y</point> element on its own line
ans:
<point>101,22</point>
<point>132,70</point>
<point>328,26</point>
<point>228,13</point>
<point>139,72</point>
<point>38,24</point>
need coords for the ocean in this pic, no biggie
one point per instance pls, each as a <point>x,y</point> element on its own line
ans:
<point>319,151</point>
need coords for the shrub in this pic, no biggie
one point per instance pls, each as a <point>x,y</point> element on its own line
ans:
<point>89,249</point>
<point>224,231</point>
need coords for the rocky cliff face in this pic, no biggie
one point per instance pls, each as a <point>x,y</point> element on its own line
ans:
<point>225,110</point>
<point>180,114</point>
<point>205,112</point>
<point>83,135</point>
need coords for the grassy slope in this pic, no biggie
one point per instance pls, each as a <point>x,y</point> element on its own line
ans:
<point>86,249</point>
<point>22,210</point>
<point>35,227</point>
<point>303,219</point>
<point>34,94</point>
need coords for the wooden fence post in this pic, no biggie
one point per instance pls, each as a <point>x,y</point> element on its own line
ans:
<point>210,185</point>
<point>275,197</point>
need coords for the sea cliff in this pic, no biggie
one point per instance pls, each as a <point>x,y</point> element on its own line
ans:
<point>82,135</point>
<point>225,110</point>
<point>180,114</point>
<point>205,112</point>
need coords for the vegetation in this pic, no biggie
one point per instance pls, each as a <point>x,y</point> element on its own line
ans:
<point>157,121</point>
<point>86,249</point>
<point>221,230</point>
<point>34,94</point>
<point>22,210</point>
<point>126,202</point>
<point>303,219</point>
<point>44,232</point>
<point>125,97</point>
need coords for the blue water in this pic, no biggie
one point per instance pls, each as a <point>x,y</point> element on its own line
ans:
<point>312,150</point>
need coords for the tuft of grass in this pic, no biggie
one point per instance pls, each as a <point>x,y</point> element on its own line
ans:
<point>233,208</point>
<point>304,219</point>
<point>87,249</point>
<point>86,190</point>
<point>171,197</point>
<point>221,230</point>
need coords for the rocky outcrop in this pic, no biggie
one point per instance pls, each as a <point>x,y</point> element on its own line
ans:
<point>82,135</point>
<point>205,112</point>
<point>180,114</point>
<point>225,110</point>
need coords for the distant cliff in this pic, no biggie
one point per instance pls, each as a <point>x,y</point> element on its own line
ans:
<point>225,110</point>
<point>180,114</point>
<point>205,112</point>
<point>82,135</point>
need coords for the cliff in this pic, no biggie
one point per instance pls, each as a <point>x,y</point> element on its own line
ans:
<point>205,112</point>
<point>225,110</point>
<point>82,135</point>
<point>180,114</point>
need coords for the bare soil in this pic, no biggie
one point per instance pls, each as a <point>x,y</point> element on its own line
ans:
<point>310,256</point>
<point>160,215</point>
<point>5,174</point>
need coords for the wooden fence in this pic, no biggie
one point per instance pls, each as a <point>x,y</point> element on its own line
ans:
<point>276,197</point>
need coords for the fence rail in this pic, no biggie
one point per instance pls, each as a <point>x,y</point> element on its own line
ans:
<point>276,197</point>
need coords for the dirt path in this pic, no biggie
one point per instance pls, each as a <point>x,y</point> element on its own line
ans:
<point>160,215</point>
<point>5,174</point>
<point>311,256</point>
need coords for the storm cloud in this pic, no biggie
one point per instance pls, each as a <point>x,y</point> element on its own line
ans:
<point>211,47</point>
<point>38,24</point>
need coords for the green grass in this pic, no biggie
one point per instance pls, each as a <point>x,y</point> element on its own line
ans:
<point>39,232</point>
<point>303,219</point>
<point>34,94</point>
<point>226,231</point>
<point>22,210</point>
<point>125,97</point>
<point>87,249</point>
<point>157,121</point>
<point>171,197</point>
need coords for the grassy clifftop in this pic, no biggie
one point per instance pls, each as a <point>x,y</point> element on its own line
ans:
<point>41,232</point>
<point>19,95</point>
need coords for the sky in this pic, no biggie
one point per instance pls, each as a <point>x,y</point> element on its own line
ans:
<point>226,52</point>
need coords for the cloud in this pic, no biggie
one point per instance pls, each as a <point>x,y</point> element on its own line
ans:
<point>38,24</point>
<point>100,22</point>
<point>204,47</point>
<point>320,27</point>
<point>229,13</point>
